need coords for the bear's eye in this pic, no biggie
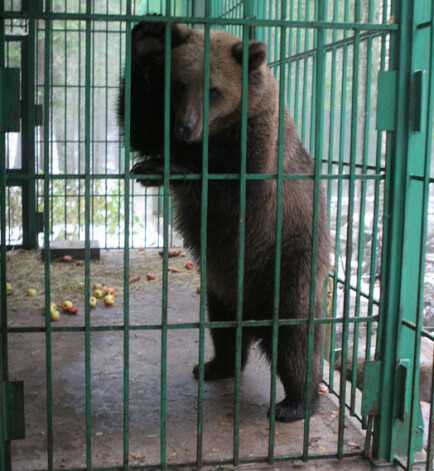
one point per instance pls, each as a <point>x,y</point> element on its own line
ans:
<point>214,92</point>
<point>179,87</point>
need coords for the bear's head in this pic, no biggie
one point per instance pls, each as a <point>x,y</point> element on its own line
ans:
<point>225,81</point>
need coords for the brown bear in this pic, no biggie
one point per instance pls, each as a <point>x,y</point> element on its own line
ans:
<point>223,212</point>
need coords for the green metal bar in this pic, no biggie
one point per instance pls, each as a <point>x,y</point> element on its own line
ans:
<point>349,248</point>
<point>216,463</point>
<point>65,148</point>
<point>297,71</point>
<point>196,325</point>
<point>415,403</point>
<point>362,211</point>
<point>5,450</point>
<point>388,326</point>
<point>278,252</point>
<point>319,134</point>
<point>203,238</point>
<point>127,128</point>
<point>30,236</point>
<point>342,130</point>
<point>54,16</point>
<point>163,415</point>
<point>330,188</point>
<point>333,46</point>
<point>12,178</point>
<point>47,130</point>
<point>305,79</point>
<point>87,337</point>
<point>377,198</point>
<point>430,445</point>
<point>241,233</point>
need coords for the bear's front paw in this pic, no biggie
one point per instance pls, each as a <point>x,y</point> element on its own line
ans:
<point>289,412</point>
<point>148,42</point>
<point>214,370</point>
<point>149,167</point>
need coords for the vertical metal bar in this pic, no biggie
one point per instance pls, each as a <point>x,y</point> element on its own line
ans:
<point>342,130</point>
<point>127,243</point>
<point>166,215</point>
<point>242,229</point>
<point>203,237</point>
<point>332,328</point>
<point>319,133</point>
<point>87,138</point>
<point>422,245</point>
<point>5,451</point>
<point>362,211</point>
<point>305,77</point>
<point>388,325</point>
<point>349,247</point>
<point>106,138</point>
<point>65,118</point>
<point>430,446</point>
<point>30,234</point>
<point>279,215</point>
<point>48,331</point>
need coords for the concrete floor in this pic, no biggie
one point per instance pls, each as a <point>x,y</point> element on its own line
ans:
<point>27,361</point>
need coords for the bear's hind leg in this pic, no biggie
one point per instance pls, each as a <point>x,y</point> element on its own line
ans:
<point>224,339</point>
<point>292,368</point>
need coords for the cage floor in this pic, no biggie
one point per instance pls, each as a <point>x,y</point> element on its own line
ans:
<point>27,362</point>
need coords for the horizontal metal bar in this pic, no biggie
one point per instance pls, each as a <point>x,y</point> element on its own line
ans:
<point>327,47</point>
<point>194,176</point>
<point>194,325</point>
<point>53,16</point>
<point>425,333</point>
<point>218,463</point>
<point>421,178</point>
<point>354,288</point>
<point>357,165</point>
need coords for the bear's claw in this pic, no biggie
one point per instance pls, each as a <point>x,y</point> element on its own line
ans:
<point>214,371</point>
<point>287,412</point>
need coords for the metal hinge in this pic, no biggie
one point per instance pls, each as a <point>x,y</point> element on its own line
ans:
<point>12,395</point>
<point>10,100</point>
<point>371,388</point>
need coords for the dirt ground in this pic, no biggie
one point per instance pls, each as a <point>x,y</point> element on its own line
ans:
<point>27,362</point>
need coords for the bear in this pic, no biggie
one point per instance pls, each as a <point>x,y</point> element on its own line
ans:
<point>223,211</point>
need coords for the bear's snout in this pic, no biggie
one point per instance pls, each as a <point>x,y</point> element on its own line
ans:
<point>185,130</point>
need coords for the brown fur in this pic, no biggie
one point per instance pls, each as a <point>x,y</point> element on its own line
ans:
<point>223,196</point>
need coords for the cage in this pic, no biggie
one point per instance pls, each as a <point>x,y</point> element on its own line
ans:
<point>111,388</point>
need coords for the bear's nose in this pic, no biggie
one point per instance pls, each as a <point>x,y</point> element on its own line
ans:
<point>186,129</point>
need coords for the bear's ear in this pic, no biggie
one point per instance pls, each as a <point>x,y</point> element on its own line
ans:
<point>257,53</point>
<point>180,34</point>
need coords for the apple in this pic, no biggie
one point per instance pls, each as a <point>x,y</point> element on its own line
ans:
<point>109,300</point>
<point>53,307</point>
<point>98,293</point>
<point>54,315</point>
<point>31,292</point>
<point>97,286</point>
<point>8,288</point>
<point>198,288</point>
<point>67,259</point>
<point>73,310</point>
<point>67,305</point>
<point>111,291</point>
<point>92,301</point>
<point>151,276</point>
<point>189,265</point>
